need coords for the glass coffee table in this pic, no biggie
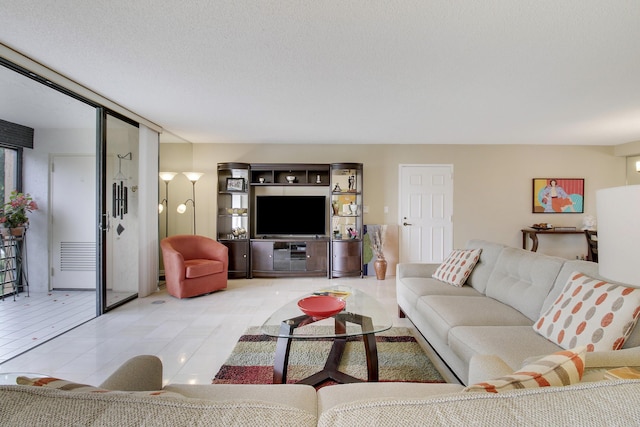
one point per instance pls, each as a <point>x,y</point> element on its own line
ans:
<point>362,315</point>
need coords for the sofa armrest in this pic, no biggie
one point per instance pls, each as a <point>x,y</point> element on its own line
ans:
<point>140,373</point>
<point>604,359</point>
<point>483,367</point>
<point>415,270</point>
<point>613,358</point>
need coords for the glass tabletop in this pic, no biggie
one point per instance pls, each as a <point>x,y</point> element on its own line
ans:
<point>358,306</point>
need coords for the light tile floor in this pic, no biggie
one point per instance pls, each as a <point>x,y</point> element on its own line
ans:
<point>28,321</point>
<point>193,337</point>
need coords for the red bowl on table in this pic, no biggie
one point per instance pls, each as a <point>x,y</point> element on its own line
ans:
<point>321,306</point>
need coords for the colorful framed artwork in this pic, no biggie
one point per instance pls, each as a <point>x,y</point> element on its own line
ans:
<point>558,195</point>
<point>235,184</point>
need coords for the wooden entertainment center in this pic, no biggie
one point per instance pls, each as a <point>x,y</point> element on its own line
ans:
<point>301,245</point>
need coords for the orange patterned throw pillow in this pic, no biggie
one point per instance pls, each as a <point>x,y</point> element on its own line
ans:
<point>591,312</point>
<point>558,369</point>
<point>70,386</point>
<point>458,266</point>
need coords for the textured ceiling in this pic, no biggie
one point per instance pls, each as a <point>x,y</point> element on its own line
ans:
<point>342,71</point>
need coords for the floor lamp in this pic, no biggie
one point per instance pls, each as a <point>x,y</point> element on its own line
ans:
<point>166,177</point>
<point>182,208</point>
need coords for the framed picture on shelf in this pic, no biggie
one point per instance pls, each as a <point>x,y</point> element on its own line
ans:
<point>558,195</point>
<point>235,184</point>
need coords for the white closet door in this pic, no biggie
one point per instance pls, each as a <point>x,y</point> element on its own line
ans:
<point>73,219</point>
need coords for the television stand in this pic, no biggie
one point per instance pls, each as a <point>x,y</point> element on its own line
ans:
<point>289,257</point>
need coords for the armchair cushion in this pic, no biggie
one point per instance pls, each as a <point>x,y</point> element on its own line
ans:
<point>202,267</point>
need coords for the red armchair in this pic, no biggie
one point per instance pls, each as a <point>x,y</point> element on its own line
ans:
<point>194,265</point>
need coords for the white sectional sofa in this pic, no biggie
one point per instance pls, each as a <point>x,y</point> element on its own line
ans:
<point>482,330</point>
<point>493,313</point>
<point>141,400</point>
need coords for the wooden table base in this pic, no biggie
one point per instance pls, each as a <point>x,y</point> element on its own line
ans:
<point>330,370</point>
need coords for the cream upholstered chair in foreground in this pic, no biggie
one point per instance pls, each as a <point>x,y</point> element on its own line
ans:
<point>194,265</point>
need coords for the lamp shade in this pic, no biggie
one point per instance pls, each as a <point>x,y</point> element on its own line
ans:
<point>167,176</point>
<point>619,233</point>
<point>182,208</point>
<point>193,176</point>
<point>638,166</point>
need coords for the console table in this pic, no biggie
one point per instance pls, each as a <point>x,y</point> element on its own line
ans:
<point>533,234</point>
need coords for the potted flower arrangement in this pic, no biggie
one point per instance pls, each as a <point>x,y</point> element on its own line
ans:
<point>13,214</point>
<point>377,245</point>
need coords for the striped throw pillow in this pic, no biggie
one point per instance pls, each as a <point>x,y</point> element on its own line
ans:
<point>60,384</point>
<point>458,266</point>
<point>558,369</point>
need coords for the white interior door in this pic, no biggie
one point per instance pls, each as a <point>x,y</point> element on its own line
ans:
<point>73,216</point>
<point>426,212</point>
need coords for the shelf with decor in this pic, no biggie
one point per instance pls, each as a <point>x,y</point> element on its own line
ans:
<point>346,219</point>
<point>287,174</point>
<point>233,225</point>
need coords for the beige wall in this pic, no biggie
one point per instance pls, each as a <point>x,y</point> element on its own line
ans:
<point>492,183</point>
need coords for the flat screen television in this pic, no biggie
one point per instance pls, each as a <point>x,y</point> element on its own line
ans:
<point>290,216</point>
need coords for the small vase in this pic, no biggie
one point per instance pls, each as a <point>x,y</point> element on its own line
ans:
<point>380,266</point>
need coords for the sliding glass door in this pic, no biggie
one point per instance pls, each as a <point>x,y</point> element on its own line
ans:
<point>83,171</point>
<point>119,237</point>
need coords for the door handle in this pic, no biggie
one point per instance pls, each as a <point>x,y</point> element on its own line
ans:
<point>406,223</point>
<point>105,225</point>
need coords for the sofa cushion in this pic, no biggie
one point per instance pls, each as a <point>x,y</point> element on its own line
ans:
<point>410,289</point>
<point>513,344</point>
<point>490,252</point>
<point>329,397</point>
<point>202,267</point>
<point>601,403</point>
<point>34,406</point>
<point>558,369</point>
<point>522,279</point>
<point>457,267</point>
<point>422,286</point>
<point>591,312</point>
<point>568,268</point>
<point>444,312</point>
<point>292,395</point>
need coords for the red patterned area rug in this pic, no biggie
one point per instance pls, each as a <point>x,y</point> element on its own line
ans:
<point>400,358</point>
